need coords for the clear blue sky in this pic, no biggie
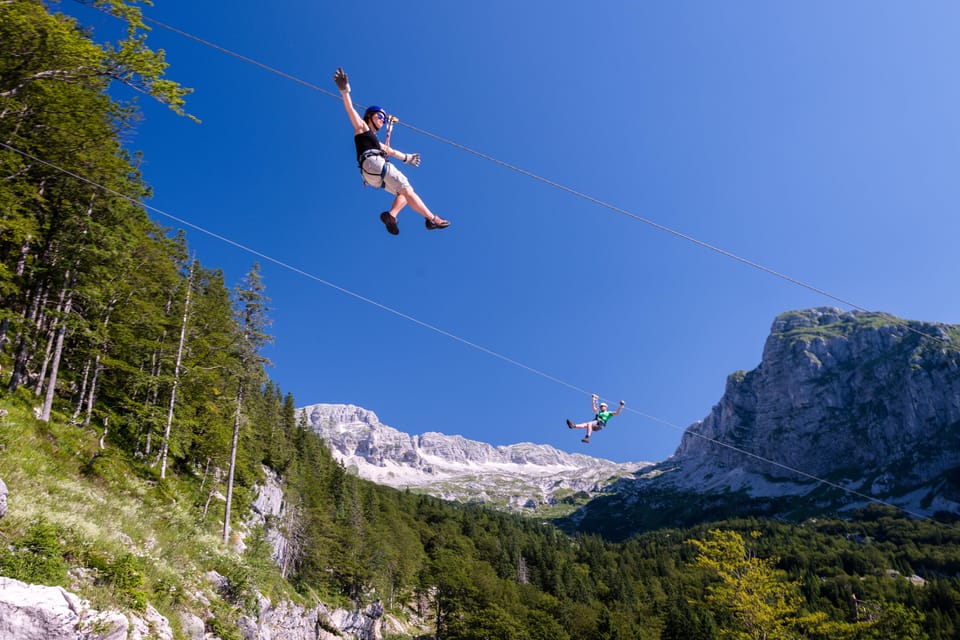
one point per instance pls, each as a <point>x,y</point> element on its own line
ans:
<point>819,139</point>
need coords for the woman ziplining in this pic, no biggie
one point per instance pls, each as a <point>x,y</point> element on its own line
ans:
<point>373,157</point>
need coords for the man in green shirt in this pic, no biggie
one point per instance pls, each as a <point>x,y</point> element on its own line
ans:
<point>599,420</point>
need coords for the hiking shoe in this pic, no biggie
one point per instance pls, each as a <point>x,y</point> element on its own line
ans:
<point>587,440</point>
<point>439,224</point>
<point>571,425</point>
<point>390,222</point>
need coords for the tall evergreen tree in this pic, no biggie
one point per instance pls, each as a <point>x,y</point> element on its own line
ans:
<point>252,323</point>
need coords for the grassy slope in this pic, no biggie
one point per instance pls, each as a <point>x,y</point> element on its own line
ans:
<point>107,512</point>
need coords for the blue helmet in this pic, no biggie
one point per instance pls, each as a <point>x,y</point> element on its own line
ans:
<point>372,109</point>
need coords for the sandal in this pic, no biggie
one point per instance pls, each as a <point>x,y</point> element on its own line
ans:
<point>391,223</point>
<point>437,223</point>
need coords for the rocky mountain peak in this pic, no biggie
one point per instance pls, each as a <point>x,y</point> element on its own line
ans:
<point>519,476</point>
<point>839,389</point>
<point>865,401</point>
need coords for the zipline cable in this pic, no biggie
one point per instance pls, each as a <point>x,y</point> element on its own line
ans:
<point>453,336</point>
<point>297,270</point>
<point>548,182</point>
<point>551,183</point>
<point>529,174</point>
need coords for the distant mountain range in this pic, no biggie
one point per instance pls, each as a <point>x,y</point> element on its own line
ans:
<point>519,477</point>
<point>845,409</point>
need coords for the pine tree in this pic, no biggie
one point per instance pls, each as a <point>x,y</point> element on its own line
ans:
<point>252,323</point>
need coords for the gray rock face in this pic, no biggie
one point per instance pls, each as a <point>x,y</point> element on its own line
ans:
<point>289,621</point>
<point>520,476</point>
<point>28,611</point>
<point>865,401</point>
<point>268,510</point>
<point>840,395</point>
<point>34,612</point>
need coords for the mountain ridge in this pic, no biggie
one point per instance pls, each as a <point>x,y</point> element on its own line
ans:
<point>520,477</point>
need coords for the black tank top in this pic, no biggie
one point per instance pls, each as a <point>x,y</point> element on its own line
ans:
<point>365,142</point>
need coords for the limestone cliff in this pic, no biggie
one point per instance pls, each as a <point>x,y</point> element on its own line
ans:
<point>845,408</point>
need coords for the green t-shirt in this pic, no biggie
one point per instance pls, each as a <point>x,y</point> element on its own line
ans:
<point>603,416</point>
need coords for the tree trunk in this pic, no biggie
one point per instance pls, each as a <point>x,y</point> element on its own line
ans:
<point>176,376</point>
<point>233,462</point>
<point>19,270</point>
<point>57,353</point>
<point>82,394</point>
<point>22,351</point>
<point>54,323</point>
<point>92,396</point>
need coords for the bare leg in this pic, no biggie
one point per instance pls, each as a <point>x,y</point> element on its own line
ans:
<point>398,203</point>
<point>589,427</point>
<point>410,197</point>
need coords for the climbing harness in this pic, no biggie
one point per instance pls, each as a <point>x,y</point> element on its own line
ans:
<point>390,120</point>
<point>372,153</point>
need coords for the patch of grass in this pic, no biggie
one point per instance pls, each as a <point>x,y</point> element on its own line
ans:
<point>125,577</point>
<point>37,558</point>
<point>860,320</point>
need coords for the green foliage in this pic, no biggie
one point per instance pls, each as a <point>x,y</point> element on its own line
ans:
<point>38,557</point>
<point>480,573</point>
<point>754,598</point>
<point>240,588</point>
<point>223,623</point>
<point>125,576</point>
<point>109,466</point>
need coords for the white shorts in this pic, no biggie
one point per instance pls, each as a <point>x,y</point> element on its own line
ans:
<point>392,181</point>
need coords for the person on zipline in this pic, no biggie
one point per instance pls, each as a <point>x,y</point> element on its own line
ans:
<point>599,420</point>
<point>373,157</point>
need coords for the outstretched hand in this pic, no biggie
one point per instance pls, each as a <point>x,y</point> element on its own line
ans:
<point>340,77</point>
<point>412,159</point>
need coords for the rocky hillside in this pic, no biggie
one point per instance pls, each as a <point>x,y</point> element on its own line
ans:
<point>844,408</point>
<point>520,477</point>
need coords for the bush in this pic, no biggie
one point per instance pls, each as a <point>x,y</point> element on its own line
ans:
<point>38,558</point>
<point>125,578</point>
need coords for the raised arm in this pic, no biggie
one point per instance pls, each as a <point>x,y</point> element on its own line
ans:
<point>594,398</point>
<point>405,158</point>
<point>343,83</point>
<point>619,409</point>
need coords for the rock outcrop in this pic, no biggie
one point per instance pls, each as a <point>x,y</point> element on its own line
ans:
<point>269,510</point>
<point>845,408</point>
<point>841,395</point>
<point>293,622</point>
<point>34,612</point>
<point>3,499</point>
